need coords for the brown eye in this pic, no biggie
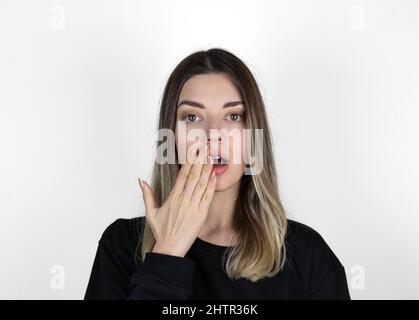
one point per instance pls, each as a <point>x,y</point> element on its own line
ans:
<point>190,117</point>
<point>235,117</point>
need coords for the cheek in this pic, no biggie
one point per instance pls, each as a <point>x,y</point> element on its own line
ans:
<point>236,171</point>
<point>237,149</point>
<point>237,166</point>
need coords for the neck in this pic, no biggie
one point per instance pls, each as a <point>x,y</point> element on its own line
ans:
<point>221,212</point>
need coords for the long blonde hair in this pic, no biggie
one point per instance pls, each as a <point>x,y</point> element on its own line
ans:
<point>259,219</point>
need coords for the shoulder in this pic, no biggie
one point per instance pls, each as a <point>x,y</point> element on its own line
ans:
<point>300,231</point>
<point>305,241</point>
<point>301,234</point>
<point>123,232</point>
<point>315,260</point>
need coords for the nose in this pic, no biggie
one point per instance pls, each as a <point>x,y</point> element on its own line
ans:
<point>214,141</point>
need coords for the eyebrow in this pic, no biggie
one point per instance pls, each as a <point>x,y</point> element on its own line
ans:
<point>200,105</point>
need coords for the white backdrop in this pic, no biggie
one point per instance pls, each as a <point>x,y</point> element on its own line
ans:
<point>80,87</point>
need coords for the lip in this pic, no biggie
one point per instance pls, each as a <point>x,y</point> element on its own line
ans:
<point>219,169</point>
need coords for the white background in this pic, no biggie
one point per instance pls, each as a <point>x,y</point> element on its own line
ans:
<point>80,87</point>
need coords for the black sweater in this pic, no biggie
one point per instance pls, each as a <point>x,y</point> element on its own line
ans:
<point>312,271</point>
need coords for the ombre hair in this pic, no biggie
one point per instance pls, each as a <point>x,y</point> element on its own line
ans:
<point>259,218</point>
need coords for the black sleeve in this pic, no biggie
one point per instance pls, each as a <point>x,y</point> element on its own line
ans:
<point>163,276</point>
<point>327,278</point>
<point>114,274</point>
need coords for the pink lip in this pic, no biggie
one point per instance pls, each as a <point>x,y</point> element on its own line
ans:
<point>219,169</point>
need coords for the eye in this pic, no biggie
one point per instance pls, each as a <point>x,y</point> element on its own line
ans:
<point>190,117</point>
<point>235,117</point>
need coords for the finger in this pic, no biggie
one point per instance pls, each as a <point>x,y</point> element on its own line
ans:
<point>203,181</point>
<point>180,182</point>
<point>209,193</point>
<point>150,202</point>
<point>195,172</point>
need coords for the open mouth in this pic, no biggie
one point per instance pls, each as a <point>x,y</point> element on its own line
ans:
<point>219,165</point>
<point>219,160</point>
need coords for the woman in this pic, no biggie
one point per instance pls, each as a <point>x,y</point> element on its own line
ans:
<point>214,228</point>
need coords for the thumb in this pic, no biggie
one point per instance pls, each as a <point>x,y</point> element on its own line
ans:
<point>148,196</point>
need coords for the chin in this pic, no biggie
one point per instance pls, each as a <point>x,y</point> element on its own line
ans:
<point>226,181</point>
<point>220,186</point>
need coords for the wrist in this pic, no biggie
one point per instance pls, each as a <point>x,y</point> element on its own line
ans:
<point>165,250</point>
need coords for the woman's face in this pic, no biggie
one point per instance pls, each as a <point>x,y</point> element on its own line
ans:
<point>211,101</point>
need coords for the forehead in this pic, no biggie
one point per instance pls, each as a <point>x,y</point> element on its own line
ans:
<point>210,89</point>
